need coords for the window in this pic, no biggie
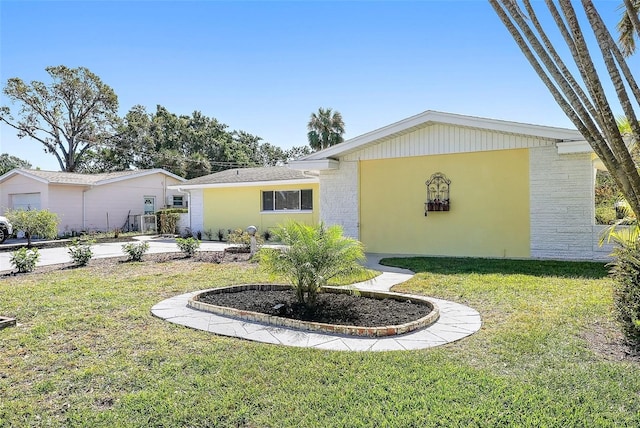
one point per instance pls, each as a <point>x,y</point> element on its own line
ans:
<point>287,200</point>
<point>177,201</point>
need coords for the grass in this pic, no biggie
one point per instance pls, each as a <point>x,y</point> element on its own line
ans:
<point>87,352</point>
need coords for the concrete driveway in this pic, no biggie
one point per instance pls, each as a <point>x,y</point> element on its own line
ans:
<point>51,256</point>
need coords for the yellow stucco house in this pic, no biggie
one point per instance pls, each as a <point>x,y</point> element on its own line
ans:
<point>242,197</point>
<point>453,185</point>
<point>436,184</point>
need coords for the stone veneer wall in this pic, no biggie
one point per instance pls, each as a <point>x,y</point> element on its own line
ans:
<point>562,206</point>
<point>339,197</point>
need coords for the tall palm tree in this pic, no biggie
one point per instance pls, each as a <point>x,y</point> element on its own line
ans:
<point>629,26</point>
<point>326,129</point>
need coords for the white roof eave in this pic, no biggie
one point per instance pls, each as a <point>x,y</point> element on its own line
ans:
<point>570,147</point>
<point>181,187</point>
<point>314,164</point>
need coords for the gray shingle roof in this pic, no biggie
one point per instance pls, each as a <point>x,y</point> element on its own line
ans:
<point>249,175</point>
<point>72,178</point>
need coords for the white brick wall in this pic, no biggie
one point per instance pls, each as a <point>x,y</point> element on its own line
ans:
<point>196,210</point>
<point>562,206</point>
<point>339,197</point>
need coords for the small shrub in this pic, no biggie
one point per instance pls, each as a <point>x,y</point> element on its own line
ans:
<point>209,234</point>
<point>199,235</point>
<point>80,251</point>
<point>116,232</point>
<point>241,238</point>
<point>220,235</point>
<point>266,235</point>
<point>168,222</point>
<point>605,215</point>
<point>135,250</point>
<point>188,245</point>
<point>313,255</point>
<point>625,270</point>
<point>24,259</point>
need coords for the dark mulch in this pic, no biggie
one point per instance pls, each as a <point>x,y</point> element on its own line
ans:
<point>331,308</point>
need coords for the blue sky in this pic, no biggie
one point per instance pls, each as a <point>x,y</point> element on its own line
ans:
<point>264,67</point>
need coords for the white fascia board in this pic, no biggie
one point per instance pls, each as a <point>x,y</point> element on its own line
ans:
<point>431,116</point>
<point>138,175</point>
<point>17,171</point>
<point>314,164</point>
<point>569,147</point>
<point>541,131</point>
<point>183,187</point>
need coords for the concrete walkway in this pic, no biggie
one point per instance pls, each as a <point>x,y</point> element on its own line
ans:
<point>456,322</point>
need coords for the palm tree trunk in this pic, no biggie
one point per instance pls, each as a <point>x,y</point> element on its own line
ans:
<point>592,114</point>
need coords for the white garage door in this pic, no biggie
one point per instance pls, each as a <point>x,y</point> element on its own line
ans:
<point>25,201</point>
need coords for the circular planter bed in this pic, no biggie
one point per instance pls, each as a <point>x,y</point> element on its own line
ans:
<point>338,310</point>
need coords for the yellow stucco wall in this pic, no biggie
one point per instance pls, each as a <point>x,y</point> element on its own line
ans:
<point>239,207</point>
<point>489,214</point>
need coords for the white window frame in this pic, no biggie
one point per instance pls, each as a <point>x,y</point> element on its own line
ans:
<point>181,198</point>
<point>28,195</point>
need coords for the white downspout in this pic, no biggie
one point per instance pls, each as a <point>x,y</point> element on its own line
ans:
<point>84,207</point>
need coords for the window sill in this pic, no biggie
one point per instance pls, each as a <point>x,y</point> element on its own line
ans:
<point>287,212</point>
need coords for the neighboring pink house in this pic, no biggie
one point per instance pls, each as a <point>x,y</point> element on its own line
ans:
<point>91,202</point>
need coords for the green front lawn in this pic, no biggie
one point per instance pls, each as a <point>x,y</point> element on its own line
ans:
<point>87,352</point>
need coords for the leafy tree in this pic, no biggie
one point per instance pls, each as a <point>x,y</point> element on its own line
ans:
<point>589,109</point>
<point>9,162</point>
<point>73,114</point>
<point>171,160</point>
<point>41,223</point>
<point>607,194</point>
<point>197,165</point>
<point>132,146</point>
<point>189,146</point>
<point>297,152</point>
<point>326,129</point>
<point>311,257</point>
<point>270,155</point>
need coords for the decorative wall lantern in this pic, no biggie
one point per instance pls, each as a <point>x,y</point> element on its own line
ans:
<point>437,193</point>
